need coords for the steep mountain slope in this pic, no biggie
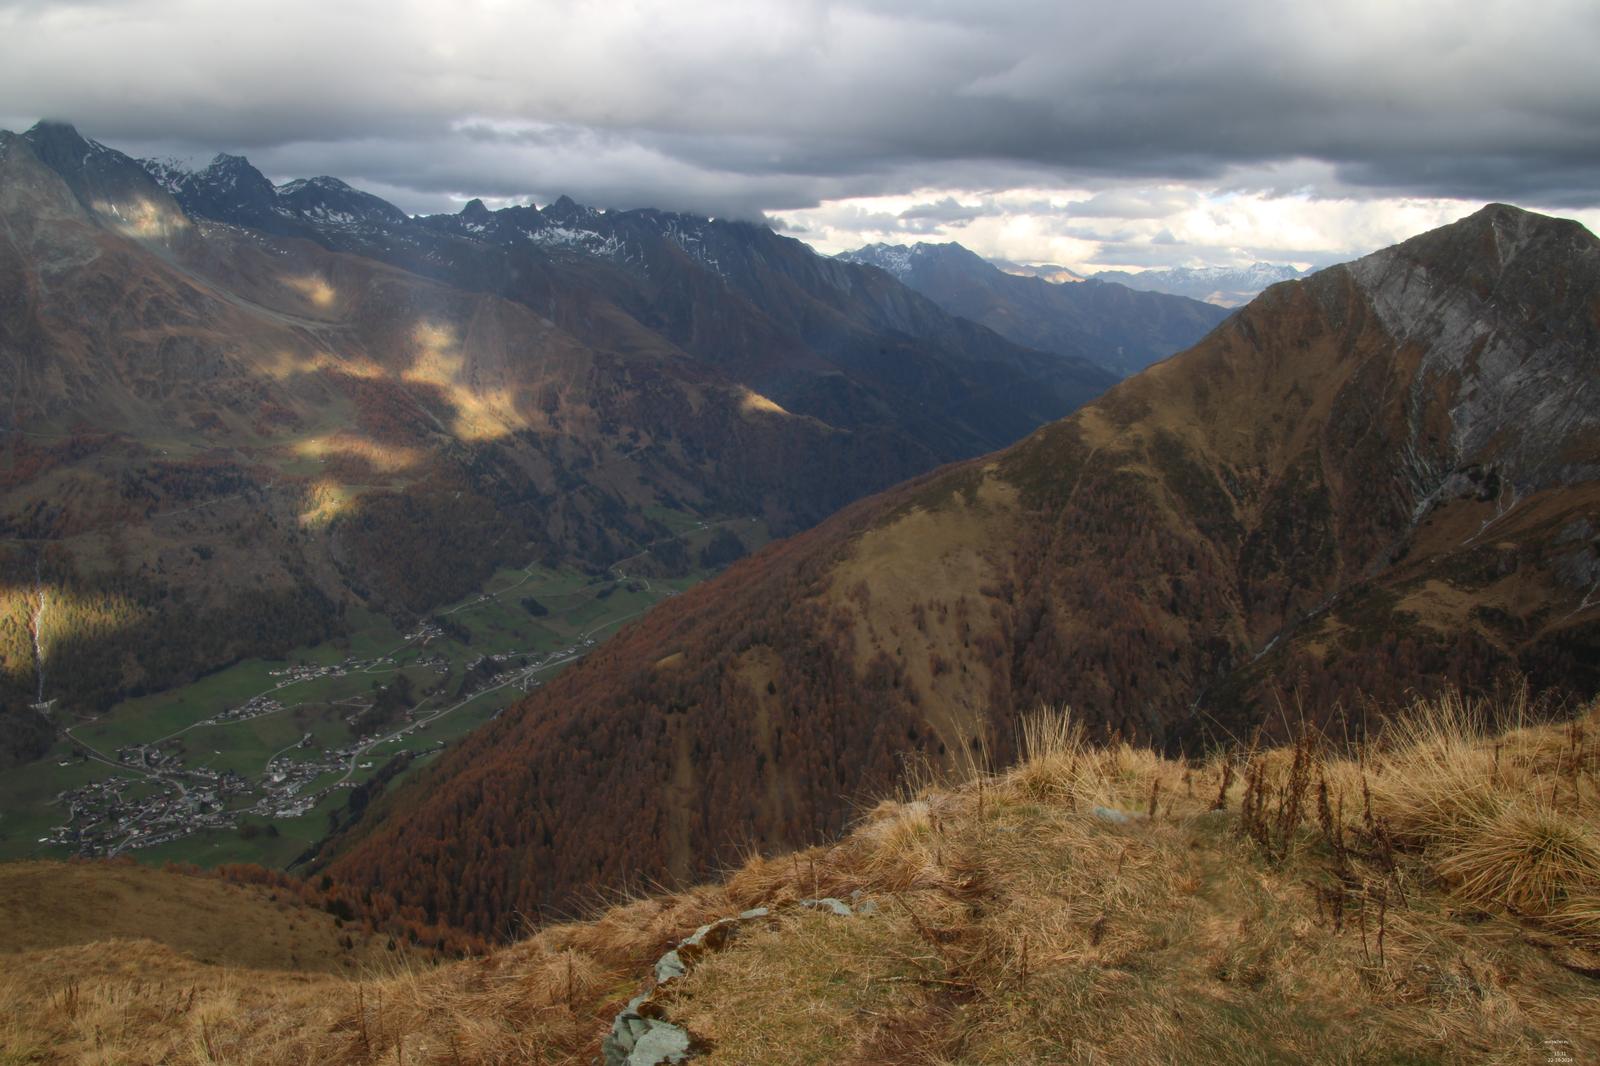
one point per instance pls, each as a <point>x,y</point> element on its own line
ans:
<point>1383,476</point>
<point>818,337</point>
<point>1222,286</point>
<point>217,436</point>
<point>215,405</point>
<point>1122,330</point>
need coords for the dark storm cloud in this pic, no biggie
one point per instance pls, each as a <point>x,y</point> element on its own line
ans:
<point>934,216</point>
<point>739,108</point>
<point>948,210</point>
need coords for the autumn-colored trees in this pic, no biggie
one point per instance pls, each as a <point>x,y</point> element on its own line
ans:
<point>759,708</point>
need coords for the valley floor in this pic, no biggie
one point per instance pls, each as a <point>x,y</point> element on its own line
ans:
<point>1434,897</point>
<point>249,764</point>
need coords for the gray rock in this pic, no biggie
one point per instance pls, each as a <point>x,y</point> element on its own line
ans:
<point>670,967</point>
<point>635,1040</point>
<point>699,935</point>
<point>828,903</point>
<point>662,1042</point>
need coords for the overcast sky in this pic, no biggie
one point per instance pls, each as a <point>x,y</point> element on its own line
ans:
<point>1119,133</point>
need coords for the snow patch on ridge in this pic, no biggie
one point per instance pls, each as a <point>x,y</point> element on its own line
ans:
<point>891,258</point>
<point>581,240</point>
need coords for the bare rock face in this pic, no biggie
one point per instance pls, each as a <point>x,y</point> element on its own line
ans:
<point>1503,308</point>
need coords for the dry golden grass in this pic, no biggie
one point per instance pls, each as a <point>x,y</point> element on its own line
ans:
<point>1505,820</point>
<point>52,904</point>
<point>545,999</point>
<point>1439,915</point>
<point>1434,898</point>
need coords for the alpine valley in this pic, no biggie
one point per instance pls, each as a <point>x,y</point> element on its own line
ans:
<point>234,412</point>
<point>1379,479</point>
<point>945,662</point>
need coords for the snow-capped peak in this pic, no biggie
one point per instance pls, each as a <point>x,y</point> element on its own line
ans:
<point>892,258</point>
<point>169,172</point>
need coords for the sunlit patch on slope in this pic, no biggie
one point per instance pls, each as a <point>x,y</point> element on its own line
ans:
<point>287,365</point>
<point>39,622</point>
<point>141,219</point>
<point>316,291</point>
<point>753,403</point>
<point>325,500</point>
<point>376,456</point>
<point>480,413</point>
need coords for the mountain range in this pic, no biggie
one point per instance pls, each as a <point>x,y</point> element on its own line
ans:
<point>1382,477</point>
<point>233,409</point>
<point>1112,324</point>
<point>238,410</point>
<point>1223,286</point>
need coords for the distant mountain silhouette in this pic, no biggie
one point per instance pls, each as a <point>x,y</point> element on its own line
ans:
<point>1223,286</point>
<point>1112,325</point>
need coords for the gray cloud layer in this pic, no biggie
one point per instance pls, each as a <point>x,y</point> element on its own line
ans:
<point>772,105</point>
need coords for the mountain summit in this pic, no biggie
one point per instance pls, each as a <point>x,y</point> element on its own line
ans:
<point>1386,472</point>
<point>232,189</point>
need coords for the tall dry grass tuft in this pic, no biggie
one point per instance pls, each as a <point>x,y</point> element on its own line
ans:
<point>1526,857</point>
<point>1058,765</point>
<point>1436,773</point>
<point>904,846</point>
<point>1495,804</point>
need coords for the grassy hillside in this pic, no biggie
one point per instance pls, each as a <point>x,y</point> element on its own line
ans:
<point>49,906</point>
<point>1431,897</point>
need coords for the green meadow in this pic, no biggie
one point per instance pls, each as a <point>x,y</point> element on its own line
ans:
<point>183,721</point>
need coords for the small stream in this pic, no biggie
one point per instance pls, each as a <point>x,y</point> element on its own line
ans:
<point>38,628</point>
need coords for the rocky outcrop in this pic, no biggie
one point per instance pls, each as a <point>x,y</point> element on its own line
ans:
<point>642,1036</point>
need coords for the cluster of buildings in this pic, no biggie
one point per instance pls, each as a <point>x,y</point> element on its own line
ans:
<point>254,707</point>
<point>117,813</point>
<point>170,799</point>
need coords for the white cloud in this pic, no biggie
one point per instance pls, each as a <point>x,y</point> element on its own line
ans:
<point>1202,226</point>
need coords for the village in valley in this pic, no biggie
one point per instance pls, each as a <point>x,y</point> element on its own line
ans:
<point>265,758</point>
